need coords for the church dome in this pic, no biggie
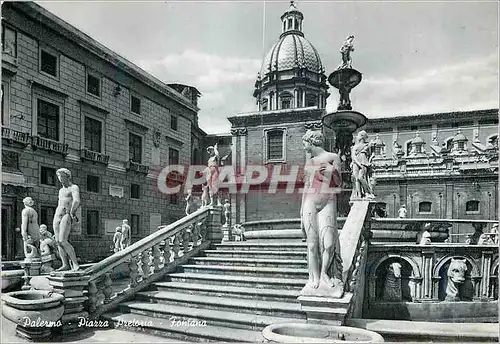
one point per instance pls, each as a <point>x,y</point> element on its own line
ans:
<point>292,51</point>
<point>459,137</point>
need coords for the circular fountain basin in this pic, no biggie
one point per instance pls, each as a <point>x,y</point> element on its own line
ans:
<point>35,305</point>
<point>315,333</point>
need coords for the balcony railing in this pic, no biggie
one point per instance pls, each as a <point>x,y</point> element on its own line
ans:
<point>49,145</point>
<point>136,167</point>
<point>86,154</point>
<point>16,136</point>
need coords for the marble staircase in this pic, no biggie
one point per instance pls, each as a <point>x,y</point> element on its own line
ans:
<point>229,294</point>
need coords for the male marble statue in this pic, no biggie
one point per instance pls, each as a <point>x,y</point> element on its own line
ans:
<point>29,228</point>
<point>117,240</point>
<point>319,218</point>
<point>345,51</point>
<point>125,238</point>
<point>361,154</point>
<point>227,212</point>
<point>69,202</point>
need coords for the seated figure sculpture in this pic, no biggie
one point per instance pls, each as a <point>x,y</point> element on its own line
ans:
<point>319,219</point>
<point>47,242</point>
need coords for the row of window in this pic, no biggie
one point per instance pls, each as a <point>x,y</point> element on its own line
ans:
<point>92,224</point>
<point>48,127</point>
<point>286,101</point>
<point>49,65</point>
<point>471,207</point>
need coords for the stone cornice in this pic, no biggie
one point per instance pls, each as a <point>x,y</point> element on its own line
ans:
<point>254,119</point>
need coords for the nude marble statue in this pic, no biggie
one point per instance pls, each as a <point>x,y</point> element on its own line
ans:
<point>65,216</point>
<point>117,240</point>
<point>29,229</point>
<point>319,219</point>
<point>212,174</point>
<point>125,238</point>
<point>362,167</point>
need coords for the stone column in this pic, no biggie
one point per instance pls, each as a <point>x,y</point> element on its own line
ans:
<point>427,281</point>
<point>71,284</point>
<point>296,98</point>
<point>485,274</point>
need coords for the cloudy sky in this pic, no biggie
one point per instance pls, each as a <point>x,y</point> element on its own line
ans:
<point>416,57</point>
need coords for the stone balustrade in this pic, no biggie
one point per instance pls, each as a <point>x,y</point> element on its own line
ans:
<point>12,135</point>
<point>86,154</point>
<point>150,258</point>
<point>136,167</point>
<point>49,145</point>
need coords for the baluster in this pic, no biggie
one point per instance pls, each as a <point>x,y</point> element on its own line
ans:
<point>92,295</point>
<point>185,240</point>
<point>176,245</point>
<point>166,252</point>
<point>107,288</point>
<point>146,261</point>
<point>133,272</point>
<point>196,235</point>
<point>156,258</point>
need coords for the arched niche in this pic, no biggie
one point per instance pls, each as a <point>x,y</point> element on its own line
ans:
<point>386,286</point>
<point>467,289</point>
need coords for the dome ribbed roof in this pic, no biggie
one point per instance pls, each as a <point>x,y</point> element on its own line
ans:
<point>291,51</point>
<point>459,137</point>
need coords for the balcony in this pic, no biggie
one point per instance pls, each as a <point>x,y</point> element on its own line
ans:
<point>12,135</point>
<point>136,167</point>
<point>86,154</point>
<point>49,145</point>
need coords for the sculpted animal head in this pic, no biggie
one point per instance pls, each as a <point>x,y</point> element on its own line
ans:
<point>456,270</point>
<point>396,269</point>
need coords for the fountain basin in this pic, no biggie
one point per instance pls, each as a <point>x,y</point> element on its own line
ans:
<point>316,333</point>
<point>34,311</point>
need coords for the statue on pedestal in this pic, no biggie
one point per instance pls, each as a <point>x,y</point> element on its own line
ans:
<point>392,287</point>
<point>69,202</point>
<point>189,201</point>
<point>402,212</point>
<point>205,198</point>
<point>345,51</point>
<point>227,212</point>
<point>125,238</point>
<point>212,174</point>
<point>117,238</point>
<point>29,229</point>
<point>361,166</point>
<point>456,278</point>
<point>319,219</point>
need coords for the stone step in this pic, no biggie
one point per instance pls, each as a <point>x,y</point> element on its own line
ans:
<point>235,305</point>
<point>282,245</point>
<point>256,262</point>
<point>164,328</point>
<point>244,281</point>
<point>202,316</point>
<point>274,234</point>
<point>257,254</point>
<point>284,295</point>
<point>247,271</point>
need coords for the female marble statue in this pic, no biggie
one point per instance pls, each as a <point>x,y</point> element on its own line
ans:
<point>29,229</point>
<point>319,218</point>
<point>361,154</point>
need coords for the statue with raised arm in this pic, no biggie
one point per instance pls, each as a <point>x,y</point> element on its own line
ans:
<point>361,167</point>
<point>345,51</point>
<point>29,229</point>
<point>212,174</point>
<point>125,237</point>
<point>65,216</point>
<point>319,218</point>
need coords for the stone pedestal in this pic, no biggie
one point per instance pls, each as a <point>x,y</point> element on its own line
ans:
<point>47,264</point>
<point>32,267</point>
<point>214,225</point>
<point>325,310</point>
<point>71,285</point>
<point>226,233</point>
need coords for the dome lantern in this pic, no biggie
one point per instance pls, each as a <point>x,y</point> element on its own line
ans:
<point>291,21</point>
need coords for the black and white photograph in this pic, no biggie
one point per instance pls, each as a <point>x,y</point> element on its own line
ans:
<point>261,171</point>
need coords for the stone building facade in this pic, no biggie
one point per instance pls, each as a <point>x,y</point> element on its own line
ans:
<point>69,101</point>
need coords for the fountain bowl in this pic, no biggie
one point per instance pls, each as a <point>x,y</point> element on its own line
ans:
<point>35,312</point>
<point>317,333</point>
